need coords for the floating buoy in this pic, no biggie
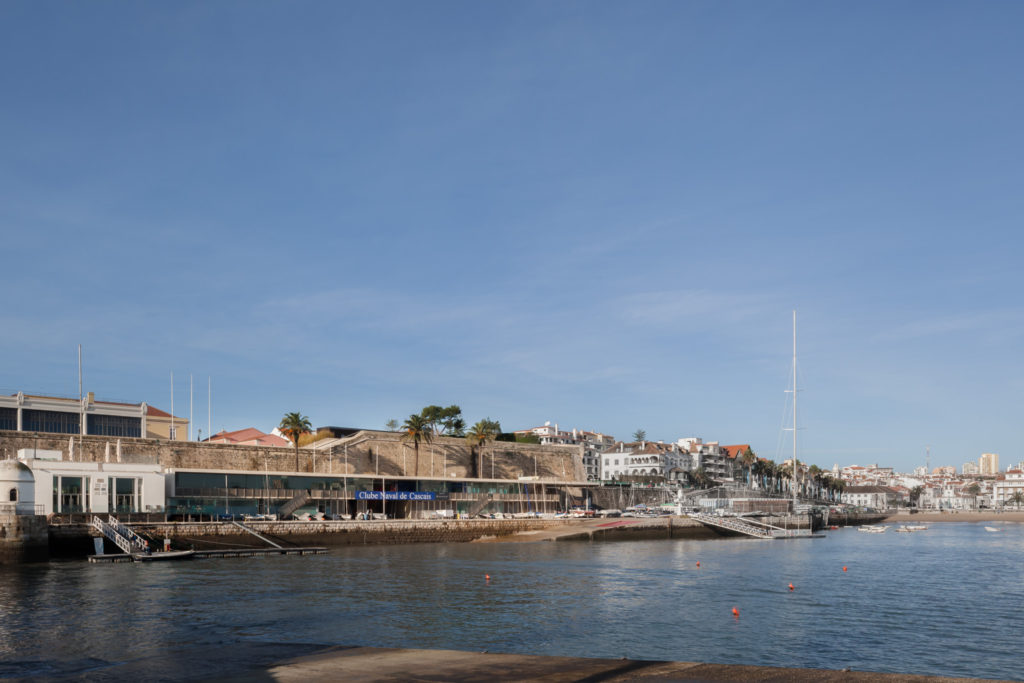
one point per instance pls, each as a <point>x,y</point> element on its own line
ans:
<point>487,577</point>
<point>791,587</point>
<point>698,564</point>
<point>844,567</point>
<point>735,612</point>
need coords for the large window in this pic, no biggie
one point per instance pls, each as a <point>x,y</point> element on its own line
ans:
<point>49,421</point>
<point>9,418</point>
<point>113,425</point>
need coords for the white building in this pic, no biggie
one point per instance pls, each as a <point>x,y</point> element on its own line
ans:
<point>63,486</point>
<point>878,497</point>
<point>1002,491</point>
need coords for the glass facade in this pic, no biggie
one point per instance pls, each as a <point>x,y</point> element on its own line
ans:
<point>239,494</point>
<point>51,421</point>
<point>9,418</point>
<point>70,494</point>
<point>113,425</point>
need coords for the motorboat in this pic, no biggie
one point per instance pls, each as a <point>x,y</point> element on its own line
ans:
<point>164,555</point>
<point>992,528</point>
<point>873,529</point>
<point>915,527</point>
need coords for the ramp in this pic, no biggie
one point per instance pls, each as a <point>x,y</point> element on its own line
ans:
<point>294,504</point>
<point>253,532</point>
<point>749,527</point>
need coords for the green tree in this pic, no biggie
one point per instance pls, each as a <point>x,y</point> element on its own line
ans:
<point>915,495</point>
<point>1017,499</point>
<point>293,426</point>
<point>417,429</point>
<point>639,435</point>
<point>747,459</point>
<point>444,421</point>
<point>391,425</point>
<point>479,434</point>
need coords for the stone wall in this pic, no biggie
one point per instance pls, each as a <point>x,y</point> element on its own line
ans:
<point>366,452</point>
<point>23,538</point>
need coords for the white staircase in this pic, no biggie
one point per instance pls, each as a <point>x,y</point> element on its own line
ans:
<point>122,536</point>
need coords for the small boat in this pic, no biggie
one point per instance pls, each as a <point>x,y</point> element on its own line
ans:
<point>904,530</point>
<point>915,527</point>
<point>164,555</point>
<point>992,528</point>
<point>873,529</point>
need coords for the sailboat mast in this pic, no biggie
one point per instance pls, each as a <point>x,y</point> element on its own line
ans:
<point>795,469</point>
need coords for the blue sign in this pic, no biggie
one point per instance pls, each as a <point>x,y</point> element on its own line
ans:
<point>396,495</point>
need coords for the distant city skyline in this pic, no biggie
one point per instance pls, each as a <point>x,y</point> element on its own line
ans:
<point>596,214</point>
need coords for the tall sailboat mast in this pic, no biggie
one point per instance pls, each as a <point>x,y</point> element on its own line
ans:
<point>795,464</point>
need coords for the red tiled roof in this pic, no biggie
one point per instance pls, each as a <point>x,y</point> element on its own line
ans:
<point>735,451</point>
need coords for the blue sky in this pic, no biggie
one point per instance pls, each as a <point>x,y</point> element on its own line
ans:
<point>600,214</point>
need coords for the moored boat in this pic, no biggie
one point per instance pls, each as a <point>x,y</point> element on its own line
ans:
<point>163,556</point>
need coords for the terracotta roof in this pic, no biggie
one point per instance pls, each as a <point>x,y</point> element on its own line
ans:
<point>249,434</point>
<point>156,412</point>
<point>735,451</point>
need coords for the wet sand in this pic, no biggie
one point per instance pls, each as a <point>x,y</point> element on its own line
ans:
<point>388,664</point>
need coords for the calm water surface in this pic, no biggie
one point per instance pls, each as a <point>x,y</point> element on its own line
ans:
<point>944,601</point>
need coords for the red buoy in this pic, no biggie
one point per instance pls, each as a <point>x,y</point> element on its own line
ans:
<point>698,564</point>
<point>791,587</point>
<point>735,612</point>
<point>487,577</point>
<point>844,567</point>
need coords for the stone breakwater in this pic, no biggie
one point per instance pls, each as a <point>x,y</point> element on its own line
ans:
<point>76,539</point>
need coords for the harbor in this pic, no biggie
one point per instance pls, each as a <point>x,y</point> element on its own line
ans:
<point>636,602</point>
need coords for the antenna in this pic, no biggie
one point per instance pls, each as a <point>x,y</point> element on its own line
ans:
<point>928,459</point>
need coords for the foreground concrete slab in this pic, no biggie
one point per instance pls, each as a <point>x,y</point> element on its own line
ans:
<point>387,664</point>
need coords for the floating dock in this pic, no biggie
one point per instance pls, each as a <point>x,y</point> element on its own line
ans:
<point>209,554</point>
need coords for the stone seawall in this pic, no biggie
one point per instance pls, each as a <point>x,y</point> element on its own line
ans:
<point>365,452</point>
<point>23,538</point>
<point>69,540</point>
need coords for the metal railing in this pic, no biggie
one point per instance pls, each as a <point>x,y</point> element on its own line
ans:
<point>123,537</point>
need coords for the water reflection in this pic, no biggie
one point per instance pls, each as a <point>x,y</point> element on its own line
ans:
<point>903,593</point>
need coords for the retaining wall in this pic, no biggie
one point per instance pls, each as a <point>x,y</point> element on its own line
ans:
<point>366,452</point>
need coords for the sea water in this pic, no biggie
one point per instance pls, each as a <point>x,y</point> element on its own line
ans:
<point>945,601</point>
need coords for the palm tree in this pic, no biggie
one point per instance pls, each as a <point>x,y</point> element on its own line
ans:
<point>1017,499</point>
<point>747,459</point>
<point>417,428</point>
<point>294,425</point>
<point>479,434</point>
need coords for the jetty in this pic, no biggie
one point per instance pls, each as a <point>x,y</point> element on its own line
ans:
<point>203,554</point>
<point>749,526</point>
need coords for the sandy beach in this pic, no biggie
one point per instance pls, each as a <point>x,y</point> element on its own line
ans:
<point>959,516</point>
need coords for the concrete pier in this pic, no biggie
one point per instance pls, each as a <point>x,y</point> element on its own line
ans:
<point>388,664</point>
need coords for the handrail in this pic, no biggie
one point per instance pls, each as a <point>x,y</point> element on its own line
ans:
<point>125,542</point>
<point>129,533</point>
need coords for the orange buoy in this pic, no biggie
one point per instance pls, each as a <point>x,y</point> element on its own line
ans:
<point>698,564</point>
<point>791,587</point>
<point>487,577</point>
<point>844,567</point>
<point>735,612</point>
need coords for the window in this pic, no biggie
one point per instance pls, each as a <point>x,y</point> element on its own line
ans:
<point>113,425</point>
<point>14,495</point>
<point>49,421</point>
<point>9,418</point>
